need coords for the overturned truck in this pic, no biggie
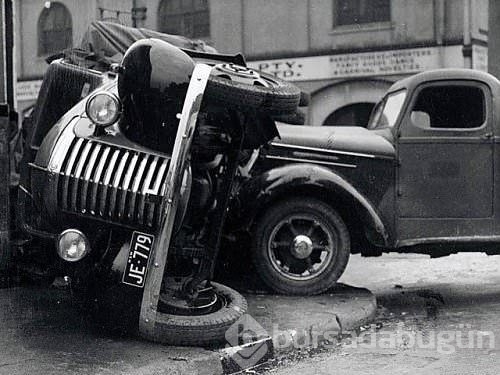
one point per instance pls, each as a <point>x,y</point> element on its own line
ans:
<point>128,167</point>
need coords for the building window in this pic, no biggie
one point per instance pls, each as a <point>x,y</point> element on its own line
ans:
<point>55,30</point>
<point>190,18</point>
<point>352,12</point>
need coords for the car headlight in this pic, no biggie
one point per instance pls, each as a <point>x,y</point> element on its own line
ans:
<point>72,245</point>
<point>103,108</point>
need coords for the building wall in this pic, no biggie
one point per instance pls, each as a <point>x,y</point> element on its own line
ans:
<point>283,31</point>
<point>264,28</point>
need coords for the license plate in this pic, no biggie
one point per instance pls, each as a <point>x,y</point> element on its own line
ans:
<point>138,257</point>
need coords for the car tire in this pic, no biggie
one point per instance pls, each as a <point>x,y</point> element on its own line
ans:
<point>243,88</point>
<point>202,330</point>
<point>316,235</point>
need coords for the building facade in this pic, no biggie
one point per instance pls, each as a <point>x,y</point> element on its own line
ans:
<point>345,53</point>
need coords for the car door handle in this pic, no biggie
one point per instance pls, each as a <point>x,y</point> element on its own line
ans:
<point>487,136</point>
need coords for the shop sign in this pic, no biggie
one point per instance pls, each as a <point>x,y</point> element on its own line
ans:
<point>402,61</point>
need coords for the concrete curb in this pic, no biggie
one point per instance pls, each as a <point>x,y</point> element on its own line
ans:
<point>359,309</point>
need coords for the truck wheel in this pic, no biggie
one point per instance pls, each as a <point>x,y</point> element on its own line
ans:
<point>301,246</point>
<point>242,88</point>
<point>205,328</point>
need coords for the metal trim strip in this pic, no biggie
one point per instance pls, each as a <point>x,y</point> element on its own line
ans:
<point>338,152</point>
<point>311,161</point>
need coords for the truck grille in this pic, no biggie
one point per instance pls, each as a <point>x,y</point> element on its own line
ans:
<point>112,183</point>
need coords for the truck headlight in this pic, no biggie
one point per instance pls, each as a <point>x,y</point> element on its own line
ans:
<point>103,108</point>
<point>72,245</point>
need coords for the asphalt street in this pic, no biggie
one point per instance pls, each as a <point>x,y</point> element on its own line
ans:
<point>435,316</point>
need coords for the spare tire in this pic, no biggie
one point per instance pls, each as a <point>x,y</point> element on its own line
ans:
<point>243,88</point>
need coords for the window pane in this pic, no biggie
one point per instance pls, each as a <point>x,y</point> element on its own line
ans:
<point>450,107</point>
<point>393,104</point>
<point>190,18</point>
<point>55,32</point>
<point>350,12</point>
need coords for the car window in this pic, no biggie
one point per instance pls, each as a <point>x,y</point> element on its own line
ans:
<point>386,113</point>
<point>449,107</point>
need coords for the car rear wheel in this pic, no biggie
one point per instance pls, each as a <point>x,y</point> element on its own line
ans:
<point>301,246</point>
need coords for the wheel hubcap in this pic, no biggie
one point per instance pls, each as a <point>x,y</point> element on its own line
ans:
<point>301,247</point>
<point>171,300</point>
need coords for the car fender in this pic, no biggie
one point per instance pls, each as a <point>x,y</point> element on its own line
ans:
<point>259,191</point>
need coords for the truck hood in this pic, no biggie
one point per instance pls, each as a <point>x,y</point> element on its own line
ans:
<point>353,139</point>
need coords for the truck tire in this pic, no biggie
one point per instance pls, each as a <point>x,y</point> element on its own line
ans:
<point>301,246</point>
<point>202,330</point>
<point>243,88</point>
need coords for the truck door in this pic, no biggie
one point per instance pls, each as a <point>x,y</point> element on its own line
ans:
<point>445,174</point>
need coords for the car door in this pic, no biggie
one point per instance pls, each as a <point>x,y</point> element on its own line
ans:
<point>445,173</point>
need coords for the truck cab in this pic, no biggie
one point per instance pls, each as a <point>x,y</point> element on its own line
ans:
<point>444,130</point>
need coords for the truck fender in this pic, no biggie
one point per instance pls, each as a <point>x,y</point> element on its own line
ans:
<point>259,191</point>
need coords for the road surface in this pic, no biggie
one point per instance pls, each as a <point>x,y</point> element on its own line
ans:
<point>435,316</point>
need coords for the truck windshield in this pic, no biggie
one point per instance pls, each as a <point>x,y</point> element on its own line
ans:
<point>387,110</point>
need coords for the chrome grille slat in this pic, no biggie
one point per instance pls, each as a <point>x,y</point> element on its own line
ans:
<point>116,182</point>
<point>135,187</point>
<point>145,189</point>
<point>88,176</point>
<point>68,172</point>
<point>126,184</point>
<point>77,175</point>
<point>156,191</point>
<point>80,165</point>
<point>97,180</point>
<point>110,168</point>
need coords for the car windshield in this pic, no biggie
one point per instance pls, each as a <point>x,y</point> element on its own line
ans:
<point>387,110</point>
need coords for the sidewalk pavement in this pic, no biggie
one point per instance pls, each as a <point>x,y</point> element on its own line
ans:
<point>41,332</point>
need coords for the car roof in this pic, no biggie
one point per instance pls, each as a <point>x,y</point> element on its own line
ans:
<point>446,74</point>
